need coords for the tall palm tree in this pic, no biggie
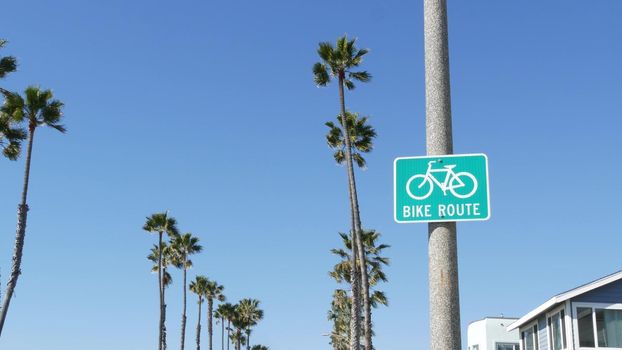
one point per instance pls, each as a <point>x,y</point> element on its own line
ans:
<point>38,108</point>
<point>361,136</point>
<point>8,64</point>
<point>338,62</point>
<point>198,287</point>
<point>212,291</point>
<point>250,314</point>
<point>161,223</point>
<point>228,311</point>
<point>184,246</point>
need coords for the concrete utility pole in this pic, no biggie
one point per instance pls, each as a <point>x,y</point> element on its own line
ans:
<point>442,247</point>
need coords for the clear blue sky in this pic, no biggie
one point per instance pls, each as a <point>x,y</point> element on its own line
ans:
<point>209,109</point>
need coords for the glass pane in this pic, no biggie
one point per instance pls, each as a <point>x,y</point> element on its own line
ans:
<point>586,327</point>
<point>556,332</point>
<point>609,328</point>
<point>507,346</point>
<point>563,322</point>
<point>528,338</point>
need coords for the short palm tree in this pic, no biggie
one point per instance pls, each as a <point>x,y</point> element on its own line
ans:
<point>239,325</point>
<point>339,62</point>
<point>220,316</point>
<point>259,347</point>
<point>37,108</point>
<point>339,314</point>
<point>250,314</point>
<point>213,291</point>
<point>361,138</point>
<point>237,337</point>
<point>161,223</point>
<point>342,273</point>
<point>11,138</point>
<point>169,258</point>
<point>8,64</point>
<point>10,135</point>
<point>228,311</point>
<point>184,246</point>
<point>198,287</point>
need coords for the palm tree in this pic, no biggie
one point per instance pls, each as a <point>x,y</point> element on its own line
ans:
<point>342,273</point>
<point>361,137</point>
<point>339,314</point>
<point>228,311</point>
<point>219,314</point>
<point>38,108</point>
<point>240,324</point>
<point>238,339</point>
<point>161,223</point>
<point>8,64</point>
<point>212,291</point>
<point>250,314</point>
<point>10,136</point>
<point>198,287</point>
<point>259,347</point>
<point>184,246</point>
<point>339,62</point>
<point>168,258</point>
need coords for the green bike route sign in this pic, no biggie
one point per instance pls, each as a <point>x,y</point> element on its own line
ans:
<point>441,188</point>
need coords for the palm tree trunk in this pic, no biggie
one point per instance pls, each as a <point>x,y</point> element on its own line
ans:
<point>161,291</point>
<point>183,315</point>
<point>355,321</point>
<point>222,334</point>
<point>248,339</point>
<point>228,333</point>
<point>163,311</point>
<point>365,292</point>
<point>22,214</point>
<point>210,306</point>
<point>199,327</point>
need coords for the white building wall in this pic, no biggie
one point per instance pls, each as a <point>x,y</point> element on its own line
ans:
<point>486,333</point>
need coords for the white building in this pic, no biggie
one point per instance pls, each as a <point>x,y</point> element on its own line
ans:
<point>491,334</point>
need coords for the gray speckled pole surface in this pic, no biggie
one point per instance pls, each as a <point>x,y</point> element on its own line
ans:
<point>442,247</point>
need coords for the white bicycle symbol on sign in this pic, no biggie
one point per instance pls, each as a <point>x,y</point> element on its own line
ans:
<point>457,183</point>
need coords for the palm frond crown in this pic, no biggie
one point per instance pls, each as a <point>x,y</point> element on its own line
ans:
<point>338,61</point>
<point>361,134</point>
<point>161,222</point>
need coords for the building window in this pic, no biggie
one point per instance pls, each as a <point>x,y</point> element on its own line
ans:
<point>557,331</point>
<point>507,346</point>
<point>609,328</point>
<point>586,327</point>
<point>475,347</point>
<point>606,322</point>
<point>529,338</point>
